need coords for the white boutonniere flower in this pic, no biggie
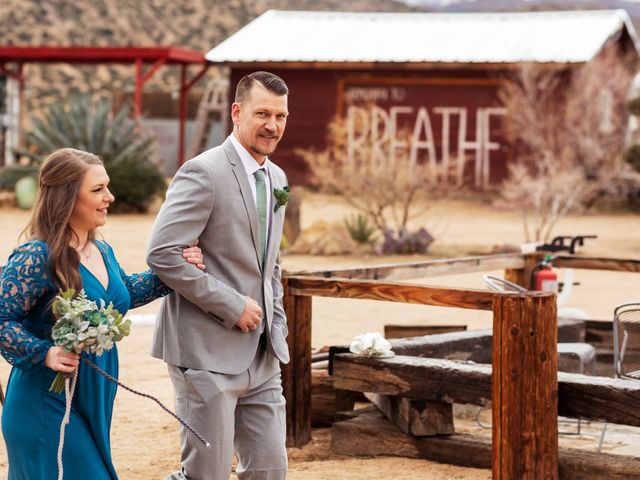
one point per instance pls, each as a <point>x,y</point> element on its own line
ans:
<point>371,345</point>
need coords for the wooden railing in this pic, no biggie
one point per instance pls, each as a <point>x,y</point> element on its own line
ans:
<point>524,345</point>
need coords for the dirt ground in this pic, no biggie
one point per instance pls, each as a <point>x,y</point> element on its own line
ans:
<point>144,439</point>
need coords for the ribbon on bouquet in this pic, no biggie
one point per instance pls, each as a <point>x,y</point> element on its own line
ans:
<point>69,388</point>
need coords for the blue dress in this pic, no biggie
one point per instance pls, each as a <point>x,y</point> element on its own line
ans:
<point>31,414</point>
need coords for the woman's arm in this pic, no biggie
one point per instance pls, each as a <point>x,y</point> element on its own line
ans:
<point>146,286</point>
<point>23,282</point>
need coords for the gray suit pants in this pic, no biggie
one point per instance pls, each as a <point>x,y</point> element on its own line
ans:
<point>245,412</point>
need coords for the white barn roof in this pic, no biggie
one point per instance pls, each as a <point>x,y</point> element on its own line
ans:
<point>302,36</point>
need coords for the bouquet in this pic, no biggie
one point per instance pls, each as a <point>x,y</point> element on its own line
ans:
<point>82,326</point>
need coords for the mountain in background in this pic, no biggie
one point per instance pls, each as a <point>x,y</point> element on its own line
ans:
<point>195,24</point>
<point>632,7</point>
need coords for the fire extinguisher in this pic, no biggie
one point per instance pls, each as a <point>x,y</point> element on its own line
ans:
<point>545,279</point>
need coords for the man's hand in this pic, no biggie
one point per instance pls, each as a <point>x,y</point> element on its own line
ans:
<point>251,315</point>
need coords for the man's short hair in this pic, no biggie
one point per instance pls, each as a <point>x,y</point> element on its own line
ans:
<point>271,82</point>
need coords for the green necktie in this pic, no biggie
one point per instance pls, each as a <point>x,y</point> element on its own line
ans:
<point>261,204</point>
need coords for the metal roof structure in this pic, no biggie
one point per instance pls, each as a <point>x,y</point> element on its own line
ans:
<point>470,38</point>
<point>13,59</point>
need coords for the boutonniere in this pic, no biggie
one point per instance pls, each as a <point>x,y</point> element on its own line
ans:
<point>282,197</point>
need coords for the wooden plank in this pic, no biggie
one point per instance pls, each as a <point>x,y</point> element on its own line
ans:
<point>524,388</point>
<point>326,401</point>
<point>392,292</point>
<point>369,434</point>
<point>423,269</point>
<point>597,263</point>
<point>599,398</point>
<point>421,418</point>
<point>288,380</point>
<point>296,375</point>
<point>302,370</point>
<point>402,331</point>
<point>595,398</point>
<point>473,345</point>
<point>413,377</point>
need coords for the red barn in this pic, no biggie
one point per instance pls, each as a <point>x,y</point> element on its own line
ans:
<point>433,75</point>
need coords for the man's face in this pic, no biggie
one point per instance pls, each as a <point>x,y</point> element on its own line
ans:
<point>259,121</point>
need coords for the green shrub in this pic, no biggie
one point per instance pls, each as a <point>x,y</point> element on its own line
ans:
<point>134,183</point>
<point>360,228</point>
<point>93,126</point>
<point>11,174</point>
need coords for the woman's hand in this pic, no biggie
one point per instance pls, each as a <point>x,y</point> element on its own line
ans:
<point>194,255</point>
<point>60,361</point>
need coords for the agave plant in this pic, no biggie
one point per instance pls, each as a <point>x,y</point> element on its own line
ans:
<point>92,126</point>
<point>81,123</point>
<point>360,228</point>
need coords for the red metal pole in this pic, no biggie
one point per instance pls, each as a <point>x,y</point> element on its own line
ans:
<point>182,113</point>
<point>137,107</point>
<point>20,105</point>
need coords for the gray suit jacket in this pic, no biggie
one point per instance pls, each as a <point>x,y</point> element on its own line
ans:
<point>210,200</point>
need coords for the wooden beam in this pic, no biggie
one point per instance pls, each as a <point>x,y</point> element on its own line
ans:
<point>599,398</point>
<point>403,331</point>
<point>296,375</point>
<point>524,388</point>
<point>421,418</point>
<point>326,401</point>
<point>413,377</point>
<point>597,263</point>
<point>426,268</point>
<point>392,292</point>
<point>473,345</point>
<point>369,434</point>
<point>595,398</point>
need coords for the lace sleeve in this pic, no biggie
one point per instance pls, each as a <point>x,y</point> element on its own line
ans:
<point>143,287</point>
<point>23,282</point>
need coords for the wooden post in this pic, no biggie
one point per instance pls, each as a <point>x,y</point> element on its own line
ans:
<point>525,387</point>
<point>522,276</point>
<point>296,376</point>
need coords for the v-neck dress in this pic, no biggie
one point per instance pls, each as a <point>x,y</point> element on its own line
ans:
<point>31,415</point>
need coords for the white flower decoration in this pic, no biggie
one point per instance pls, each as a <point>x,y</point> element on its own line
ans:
<point>371,345</point>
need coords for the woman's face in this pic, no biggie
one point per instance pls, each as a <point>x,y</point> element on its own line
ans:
<point>94,197</point>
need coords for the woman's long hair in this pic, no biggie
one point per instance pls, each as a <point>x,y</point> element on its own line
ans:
<point>59,182</point>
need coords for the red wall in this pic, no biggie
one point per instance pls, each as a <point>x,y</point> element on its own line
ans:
<point>316,95</point>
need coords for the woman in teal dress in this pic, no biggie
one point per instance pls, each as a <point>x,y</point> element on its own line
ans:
<point>72,201</point>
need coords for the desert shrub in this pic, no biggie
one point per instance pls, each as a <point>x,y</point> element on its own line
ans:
<point>134,183</point>
<point>569,132</point>
<point>114,136</point>
<point>406,242</point>
<point>360,228</point>
<point>11,174</point>
<point>388,186</point>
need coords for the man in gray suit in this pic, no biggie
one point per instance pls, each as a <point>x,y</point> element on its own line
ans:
<point>222,331</point>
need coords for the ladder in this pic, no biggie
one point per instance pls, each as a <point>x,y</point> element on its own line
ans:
<point>213,106</point>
